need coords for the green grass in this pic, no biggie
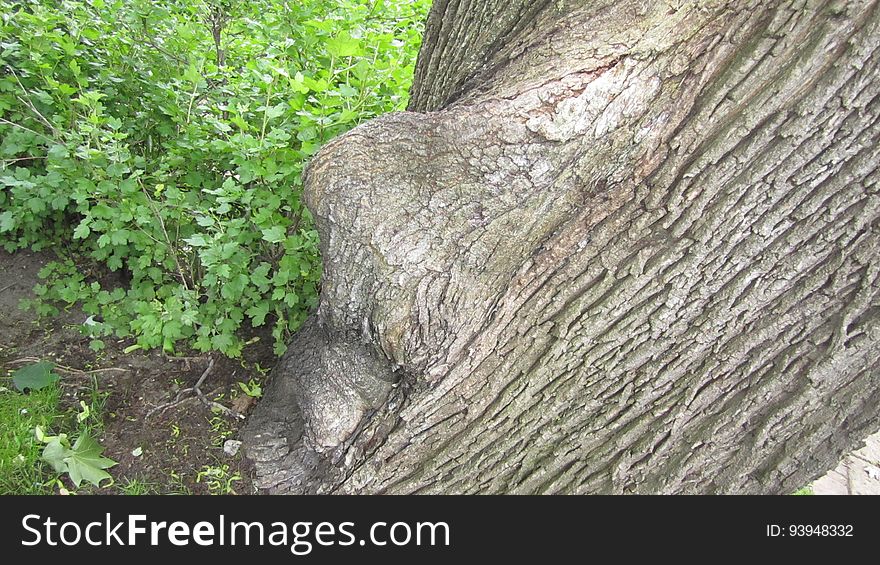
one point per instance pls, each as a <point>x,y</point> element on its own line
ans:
<point>135,487</point>
<point>805,491</point>
<point>91,416</point>
<point>21,470</point>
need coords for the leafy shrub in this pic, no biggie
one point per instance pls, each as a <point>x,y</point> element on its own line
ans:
<point>165,141</point>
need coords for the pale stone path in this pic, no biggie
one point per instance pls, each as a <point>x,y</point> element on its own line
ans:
<point>858,473</point>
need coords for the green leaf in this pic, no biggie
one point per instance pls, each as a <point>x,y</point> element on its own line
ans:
<point>36,205</point>
<point>258,313</point>
<point>34,377</point>
<point>275,111</point>
<point>59,202</point>
<point>128,186</point>
<point>55,452</point>
<point>234,287</point>
<point>192,74</point>
<point>120,237</point>
<point>259,278</point>
<point>307,133</point>
<point>222,342</point>
<point>117,169</point>
<point>343,46</point>
<point>7,222</point>
<point>275,234</point>
<point>189,317</point>
<point>296,84</point>
<point>81,462</point>
<point>198,240</point>
<point>347,91</point>
<point>252,389</point>
<point>85,462</point>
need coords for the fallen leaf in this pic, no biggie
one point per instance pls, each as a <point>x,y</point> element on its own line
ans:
<point>243,403</point>
<point>34,377</point>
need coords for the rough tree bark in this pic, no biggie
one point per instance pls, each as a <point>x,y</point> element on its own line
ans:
<point>616,246</point>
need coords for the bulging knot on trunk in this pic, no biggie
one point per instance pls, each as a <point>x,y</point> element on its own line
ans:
<point>432,225</point>
<point>336,382</point>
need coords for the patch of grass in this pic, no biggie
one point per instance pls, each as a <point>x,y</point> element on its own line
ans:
<point>135,487</point>
<point>805,491</point>
<point>90,415</point>
<point>176,484</point>
<point>21,469</point>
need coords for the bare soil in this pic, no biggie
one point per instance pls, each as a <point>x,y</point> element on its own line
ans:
<point>176,444</point>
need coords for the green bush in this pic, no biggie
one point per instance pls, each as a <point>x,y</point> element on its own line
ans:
<point>165,140</point>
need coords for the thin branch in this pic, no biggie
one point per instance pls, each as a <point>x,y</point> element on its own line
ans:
<point>17,159</point>
<point>27,102</point>
<point>64,368</point>
<point>210,403</point>
<point>40,116</point>
<point>171,246</point>
<point>145,36</point>
<point>178,400</point>
<point>43,135</point>
<point>205,373</point>
<point>165,52</point>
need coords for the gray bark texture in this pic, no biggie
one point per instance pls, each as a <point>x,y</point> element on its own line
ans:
<point>616,246</point>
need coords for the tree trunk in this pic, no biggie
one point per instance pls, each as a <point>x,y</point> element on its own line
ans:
<point>618,246</point>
